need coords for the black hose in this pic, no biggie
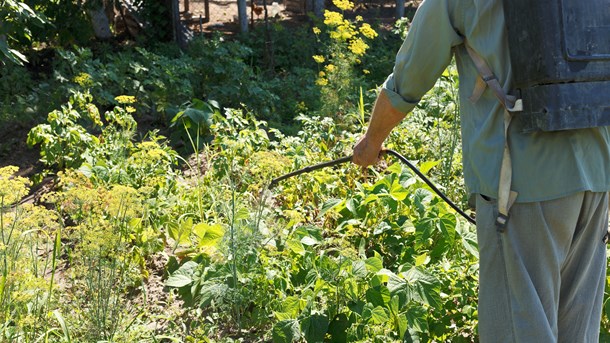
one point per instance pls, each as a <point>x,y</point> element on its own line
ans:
<point>429,183</point>
<point>385,151</point>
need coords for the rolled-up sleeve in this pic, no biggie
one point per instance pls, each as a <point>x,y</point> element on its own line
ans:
<point>424,54</point>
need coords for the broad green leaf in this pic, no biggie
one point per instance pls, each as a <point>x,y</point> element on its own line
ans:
<point>292,306</point>
<point>296,246</point>
<point>338,329</point>
<point>286,331</point>
<point>416,286</point>
<point>314,328</point>
<point>378,296</point>
<point>370,198</point>
<point>469,241</point>
<point>183,276</point>
<point>352,206</point>
<point>395,168</point>
<point>416,317</point>
<point>385,275</point>
<point>330,204</point>
<point>242,214</point>
<point>310,241</point>
<point>208,235</point>
<point>422,259</point>
<point>373,264</point>
<point>447,224</point>
<point>403,325</point>
<point>397,192</point>
<point>425,167</point>
<point>210,291</point>
<point>359,269</point>
<point>181,232</point>
<point>379,315</point>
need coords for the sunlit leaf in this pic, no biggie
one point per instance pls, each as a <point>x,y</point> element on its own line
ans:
<point>373,264</point>
<point>379,315</point>
<point>208,235</point>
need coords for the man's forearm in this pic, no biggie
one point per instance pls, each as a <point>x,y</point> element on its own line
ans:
<point>383,119</point>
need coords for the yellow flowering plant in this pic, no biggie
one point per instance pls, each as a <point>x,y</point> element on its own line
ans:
<point>343,44</point>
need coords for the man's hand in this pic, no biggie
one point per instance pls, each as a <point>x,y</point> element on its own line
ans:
<point>383,119</point>
<point>366,153</point>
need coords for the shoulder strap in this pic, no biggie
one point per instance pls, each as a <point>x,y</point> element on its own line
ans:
<point>506,197</point>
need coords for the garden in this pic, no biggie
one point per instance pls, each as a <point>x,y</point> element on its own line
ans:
<point>136,195</point>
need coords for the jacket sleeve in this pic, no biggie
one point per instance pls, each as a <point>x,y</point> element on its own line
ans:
<point>424,54</point>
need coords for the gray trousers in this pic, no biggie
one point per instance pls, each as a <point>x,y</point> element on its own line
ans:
<point>542,279</point>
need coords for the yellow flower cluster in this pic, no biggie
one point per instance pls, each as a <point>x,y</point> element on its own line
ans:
<point>318,58</point>
<point>330,68</point>
<point>358,46</point>
<point>12,188</point>
<point>367,31</point>
<point>321,82</point>
<point>83,80</point>
<point>125,99</point>
<point>343,5</point>
<point>344,32</point>
<point>317,31</point>
<point>332,18</point>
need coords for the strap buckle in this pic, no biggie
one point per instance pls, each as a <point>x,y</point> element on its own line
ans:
<point>501,221</point>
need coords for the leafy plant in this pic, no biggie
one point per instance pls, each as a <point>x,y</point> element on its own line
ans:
<point>63,140</point>
<point>15,19</point>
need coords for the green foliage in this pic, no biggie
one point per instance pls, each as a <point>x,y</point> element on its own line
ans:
<point>153,251</point>
<point>16,17</point>
<point>68,23</point>
<point>63,140</point>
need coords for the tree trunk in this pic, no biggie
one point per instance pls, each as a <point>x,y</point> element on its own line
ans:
<point>100,22</point>
<point>400,9</point>
<point>242,12</point>
<point>318,8</point>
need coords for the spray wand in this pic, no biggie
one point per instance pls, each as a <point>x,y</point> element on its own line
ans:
<point>400,157</point>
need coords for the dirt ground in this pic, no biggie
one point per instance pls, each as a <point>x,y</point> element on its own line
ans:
<point>223,15</point>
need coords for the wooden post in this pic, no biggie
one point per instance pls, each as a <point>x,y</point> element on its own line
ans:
<point>400,9</point>
<point>242,13</point>
<point>318,8</point>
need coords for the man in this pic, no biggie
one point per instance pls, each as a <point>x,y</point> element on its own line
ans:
<point>542,276</point>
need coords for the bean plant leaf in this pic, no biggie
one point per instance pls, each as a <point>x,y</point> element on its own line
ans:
<point>416,285</point>
<point>209,291</point>
<point>181,232</point>
<point>352,207</point>
<point>314,328</point>
<point>338,329</point>
<point>398,192</point>
<point>208,235</point>
<point>296,246</point>
<point>286,331</point>
<point>469,241</point>
<point>416,317</point>
<point>183,276</point>
<point>447,224</point>
<point>378,296</point>
<point>373,264</point>
<point>309,241</point>
<point>425,167</point>
<point>379,315</point>
<point>329,205</point>
<point>359,269</point>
